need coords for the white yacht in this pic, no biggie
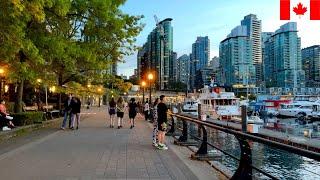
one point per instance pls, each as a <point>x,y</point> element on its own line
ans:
<point>298,108</point>
<point>217,103</point>
<point>190,105</point>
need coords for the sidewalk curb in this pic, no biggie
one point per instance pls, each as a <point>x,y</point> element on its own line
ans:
<point>19,131</point>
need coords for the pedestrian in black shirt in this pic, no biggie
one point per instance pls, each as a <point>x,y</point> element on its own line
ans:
<point>112,111</point>
<point>132,111</point>
<point>162,122</point>
<point>75,112</point>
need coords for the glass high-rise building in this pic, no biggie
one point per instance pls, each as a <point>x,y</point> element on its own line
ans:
<point>183,70</point>
<point>237,69</point>
<point>200,56</point>
<point>282,58</point>
<point>253,25</point>
<point>311,65</point>
<point>173,67</point>
<point>157,53</point>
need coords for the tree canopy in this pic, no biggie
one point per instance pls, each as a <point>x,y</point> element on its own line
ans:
<point>65,41</point>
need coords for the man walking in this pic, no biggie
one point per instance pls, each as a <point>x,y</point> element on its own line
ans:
<point>162,122</point>
<point>67,112</point>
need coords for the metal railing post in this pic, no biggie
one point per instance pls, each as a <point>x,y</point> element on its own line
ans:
<point>244,118</point>
<point>203,149</point>
<point>199,118</point>
<point>184,136</point>
<point>172,129</point>
<point>244,170</point>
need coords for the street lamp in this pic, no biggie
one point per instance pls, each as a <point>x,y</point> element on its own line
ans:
<point>143,84</point>
<point>150,78</point>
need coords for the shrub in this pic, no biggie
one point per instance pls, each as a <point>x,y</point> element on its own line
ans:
<point>27,118</point>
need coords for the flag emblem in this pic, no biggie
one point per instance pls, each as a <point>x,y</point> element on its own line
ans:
<point>289,8</point>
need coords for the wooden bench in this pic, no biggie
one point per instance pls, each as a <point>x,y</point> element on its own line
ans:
<point>30,108</point>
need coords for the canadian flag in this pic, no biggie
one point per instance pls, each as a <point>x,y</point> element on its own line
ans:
<point>300,8</point>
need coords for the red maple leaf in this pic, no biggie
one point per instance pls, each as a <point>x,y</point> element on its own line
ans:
<point>300,10</point>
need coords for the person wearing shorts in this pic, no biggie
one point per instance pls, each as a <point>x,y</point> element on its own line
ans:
<point>162,122</point>
<point>120,111</point>
<point>112,112</point>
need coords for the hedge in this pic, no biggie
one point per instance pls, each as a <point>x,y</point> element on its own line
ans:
<point>27,118</point>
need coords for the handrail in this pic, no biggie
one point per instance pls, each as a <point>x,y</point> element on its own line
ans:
<point>292,149</point>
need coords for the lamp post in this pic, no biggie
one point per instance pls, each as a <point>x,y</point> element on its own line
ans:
<point>39,81</point>
<point>143,84</point>
<point>150,78</point>
<point>1,81</point>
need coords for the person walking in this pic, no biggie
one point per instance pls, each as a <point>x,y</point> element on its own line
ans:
<point>132,111</point>
<point>67,112</point>
<point>112,112</point>
<point>120,111</point>
<point>75,111</point>
<point>162,122</point>
<point>146,110</point>
<point>155,123</point>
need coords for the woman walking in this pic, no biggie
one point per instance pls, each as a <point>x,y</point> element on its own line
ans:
<point>112,112</point>
<point>132,111</point>
<point>155,123</point>
<point>75,111</point>
<point>120,111</point>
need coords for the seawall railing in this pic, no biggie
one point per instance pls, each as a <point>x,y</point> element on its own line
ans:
<point>245,168</point>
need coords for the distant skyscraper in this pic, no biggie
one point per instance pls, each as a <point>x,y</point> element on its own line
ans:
<point>254,32</point>
<point>214,64</point>
<point>266,55</point>
<point>114,69</point>
<point>200,56</point>
<point>282,58</point>
<point>156,54</point>
<point>204,77</point>
<point>311,65</point>
<point>236,62</point>
<point>184,69</point>
<point>173,67</point>
<point>143,63</point>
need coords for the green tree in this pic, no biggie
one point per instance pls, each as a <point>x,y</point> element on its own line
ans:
<point>72,40</point>
<point>83,38</point>
<point>17,48</point>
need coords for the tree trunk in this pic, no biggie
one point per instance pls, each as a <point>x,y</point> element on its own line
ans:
<point>18,103</point>
<point>60,101</point>
<point>60,93</point>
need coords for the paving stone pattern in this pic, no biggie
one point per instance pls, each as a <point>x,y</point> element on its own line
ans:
<point>95,151</point>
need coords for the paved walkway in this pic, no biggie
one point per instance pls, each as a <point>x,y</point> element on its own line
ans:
<point>95,151</point>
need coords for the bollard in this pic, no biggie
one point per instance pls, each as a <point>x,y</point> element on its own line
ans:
<point>199,118</point>
<point>244,118</point>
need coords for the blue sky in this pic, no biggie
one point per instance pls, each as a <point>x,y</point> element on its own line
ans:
<point>213,18</point>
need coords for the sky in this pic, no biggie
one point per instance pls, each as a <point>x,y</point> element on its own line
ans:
<point>213,18</point>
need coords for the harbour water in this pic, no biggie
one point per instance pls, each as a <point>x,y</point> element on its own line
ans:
<point>278,163</point>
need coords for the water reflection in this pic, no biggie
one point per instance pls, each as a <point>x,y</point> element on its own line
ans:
<point>278,163</point>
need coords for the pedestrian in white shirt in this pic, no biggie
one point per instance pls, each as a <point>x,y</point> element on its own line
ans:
<point>146,110</point>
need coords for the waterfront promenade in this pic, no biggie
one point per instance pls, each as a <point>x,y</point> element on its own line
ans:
<point>96,151</point>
